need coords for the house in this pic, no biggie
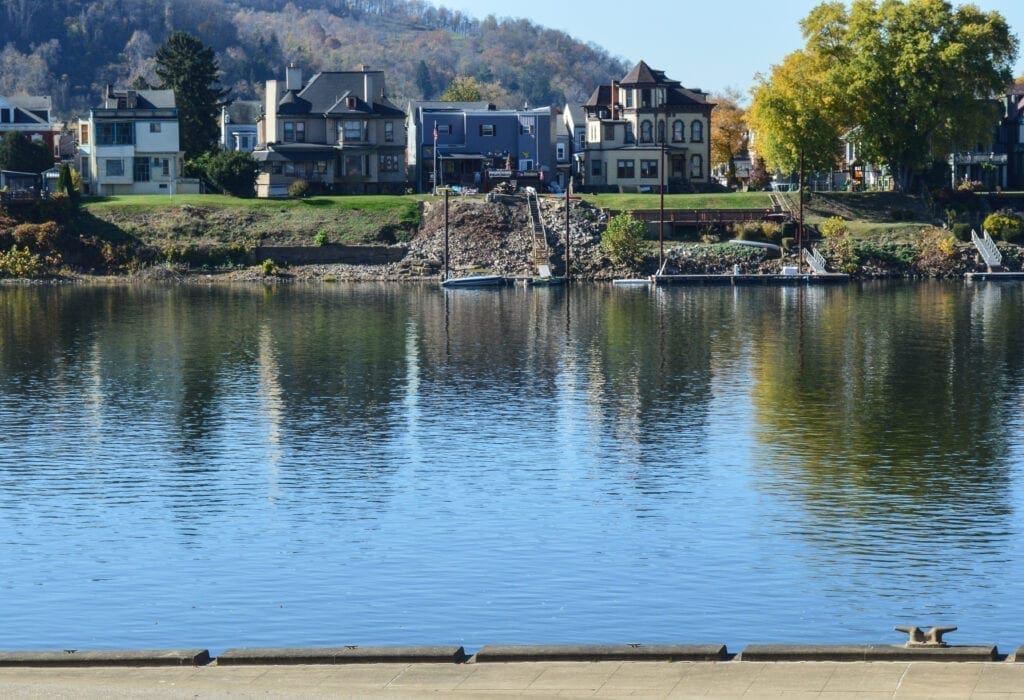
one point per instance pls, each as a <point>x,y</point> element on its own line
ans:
<point>338,132</point>
<point>999,163</point>
<point>238,125</point>
<point>29,115</point>
<point>130,145</point>
<point>574,121</point>
<point>641,121</point>
<point>474,145</point>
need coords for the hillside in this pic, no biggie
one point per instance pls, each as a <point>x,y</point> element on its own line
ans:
<point>70,49</point>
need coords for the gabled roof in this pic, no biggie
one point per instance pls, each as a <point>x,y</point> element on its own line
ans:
<point>138,99</point>
<point>324,94</point>
<point>244,111</point>
<point>643,75</point>
<point>28,109</point>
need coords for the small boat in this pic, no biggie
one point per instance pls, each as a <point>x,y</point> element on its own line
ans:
<point>770,247</point>
<point>546,281</point>
<point>471,281</point>
<point>632,282</point>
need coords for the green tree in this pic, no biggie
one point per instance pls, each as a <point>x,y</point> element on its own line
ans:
<point>234,172</point>
<point>916,77</point>
<point>462,89</point>
<point>423,81</point>
<point>188,67</point>
<point>624,240</point>
<point>19,152</point>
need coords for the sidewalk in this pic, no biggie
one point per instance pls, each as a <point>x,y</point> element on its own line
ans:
<point>727,679</point>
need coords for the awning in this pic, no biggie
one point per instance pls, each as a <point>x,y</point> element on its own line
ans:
<point>461,156</point>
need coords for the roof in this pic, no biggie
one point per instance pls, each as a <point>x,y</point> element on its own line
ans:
<point>325,92</point>
<point>643,75</point>
<point>29,109</point>
<point>138,99</point>
<point>244,111</point>
<point>440,105</point>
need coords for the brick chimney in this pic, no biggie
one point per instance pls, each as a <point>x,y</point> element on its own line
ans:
<point>615,99</point>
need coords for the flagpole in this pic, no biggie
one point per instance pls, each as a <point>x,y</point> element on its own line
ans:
<point>435,156</point>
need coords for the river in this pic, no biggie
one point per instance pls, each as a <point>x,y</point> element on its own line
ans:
<point>383,464</point>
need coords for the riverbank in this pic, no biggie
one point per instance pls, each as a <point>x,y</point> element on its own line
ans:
<point>211,238</point>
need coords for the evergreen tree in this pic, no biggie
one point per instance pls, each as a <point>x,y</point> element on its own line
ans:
<point>188,67</point>
<point>20,153</point>
<point>423,81</point>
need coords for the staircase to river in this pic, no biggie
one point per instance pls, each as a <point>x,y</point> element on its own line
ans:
<point>541,252</point>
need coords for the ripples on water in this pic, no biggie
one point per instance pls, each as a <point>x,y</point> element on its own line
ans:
<point>393,465</point>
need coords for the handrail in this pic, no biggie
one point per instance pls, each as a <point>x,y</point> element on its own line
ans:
<point>987,247</point>
<point>815,260</point>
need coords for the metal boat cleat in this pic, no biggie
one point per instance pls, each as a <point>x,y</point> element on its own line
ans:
<point>920,638</point>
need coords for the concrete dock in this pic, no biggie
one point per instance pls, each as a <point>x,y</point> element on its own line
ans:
<point>616,679</point>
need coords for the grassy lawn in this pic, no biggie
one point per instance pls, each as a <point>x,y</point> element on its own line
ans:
<point>728,200</point>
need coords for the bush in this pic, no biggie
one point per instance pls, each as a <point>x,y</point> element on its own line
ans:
<point>833,227</point>
<point>749,231</point>
<point>623,240</point>
<point>234,172</point>
<point>298,189</point>
<point>20,262</point>
<point>320,238</point>
<point>788,242</point>
<point>962,231</point>
<point>1005,225</point>
<point>269,267</point>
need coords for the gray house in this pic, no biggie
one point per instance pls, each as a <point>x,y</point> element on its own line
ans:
<point>473,145</point>
<point>238,125</point>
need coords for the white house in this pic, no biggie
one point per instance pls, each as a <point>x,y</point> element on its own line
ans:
<point>130,145</point>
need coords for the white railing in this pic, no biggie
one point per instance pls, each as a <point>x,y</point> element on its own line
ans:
<point>815,260</point>
<point>987,247</point>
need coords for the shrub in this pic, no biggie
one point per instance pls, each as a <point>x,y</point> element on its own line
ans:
<point>298,189</point>
<point>788,242</point>
<point>320,238</point>
<point>234,172</point>
<point>833,227</point>
<point>936,252</point>
<point>962,231</point>
<point>749,231</point>
<point>623,240</point>
<point>20,262</point>
<point>269,267</point>
<point>1005,225</point>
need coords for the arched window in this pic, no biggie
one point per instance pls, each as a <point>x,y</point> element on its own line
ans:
<point>677,131</point>
<point>696,166</point>
<point>645,132</point>
<point>661,132</point>
<point>696,131</point>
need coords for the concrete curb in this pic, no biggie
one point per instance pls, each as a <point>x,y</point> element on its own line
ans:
<point>865,652</point>
<point>602,652</point>
<point>75,657</point>
<point>272,656</point>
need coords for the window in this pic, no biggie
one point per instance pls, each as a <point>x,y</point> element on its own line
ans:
<point>595,168</point>
<point>526,128</point>
<point>629,98</point>
<point>114,167</point>
<point>389,132</point>
<point>696,166</point>
<point>388,163</point>
<point>154,127</point>
<point>165,166</point>
<point>443,128</point>
<point>141,172</point>
<point>115,134</point>
<point>696,131</point>
<point>85,133</point>
<point>609,132</point>
<point>645,132</point>
<point>630,135</point>
<point>352,166</point>
<point>295,132</point>
<point>561,152</point>
<point>677,131</point>
<point>350,130</point>
<point>649,168</point>
<point>626,169</point>
<point>487,130</point>
<point>645,97</point>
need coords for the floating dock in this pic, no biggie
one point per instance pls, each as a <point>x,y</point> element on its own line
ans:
<point>993,276</point>
<point>829,278</point>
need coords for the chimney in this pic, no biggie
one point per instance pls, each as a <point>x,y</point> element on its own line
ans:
<point>293,78</point>
<point>615,99</point>
<point>367,85</point>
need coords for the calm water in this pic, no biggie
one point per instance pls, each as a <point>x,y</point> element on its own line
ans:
<point>375,464</point>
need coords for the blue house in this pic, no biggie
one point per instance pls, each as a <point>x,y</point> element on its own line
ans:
<point>474,146</point>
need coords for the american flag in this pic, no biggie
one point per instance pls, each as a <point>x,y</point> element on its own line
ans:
<point>435,132</point>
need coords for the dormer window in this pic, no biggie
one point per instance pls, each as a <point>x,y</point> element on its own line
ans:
<point>350,102</point>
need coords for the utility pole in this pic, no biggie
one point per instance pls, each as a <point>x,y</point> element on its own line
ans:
<point>568,244</point>
<point>800,226</point>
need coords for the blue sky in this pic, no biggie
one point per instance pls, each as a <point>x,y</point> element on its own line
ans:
<point>708,45</point>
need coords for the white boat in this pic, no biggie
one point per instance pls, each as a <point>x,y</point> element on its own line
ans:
<point>632,282</point>
<point>473,281</point>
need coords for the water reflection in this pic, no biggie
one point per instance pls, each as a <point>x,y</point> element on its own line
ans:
<point>573,459</point>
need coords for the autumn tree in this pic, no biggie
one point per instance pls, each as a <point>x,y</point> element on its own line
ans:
<point>188,67</point>
<point>917,77</point>
<point>728,131</point>
<point>462,89</point>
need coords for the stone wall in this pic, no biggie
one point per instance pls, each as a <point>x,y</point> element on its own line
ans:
<point>331,253</point>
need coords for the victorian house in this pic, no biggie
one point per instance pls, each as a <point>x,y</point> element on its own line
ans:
<point>644,132</point>
<point>338,132</point>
